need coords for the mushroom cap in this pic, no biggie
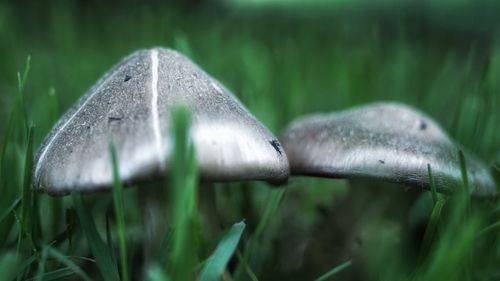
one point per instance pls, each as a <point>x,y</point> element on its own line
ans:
<point>385,140</point>
<point>131,104</point>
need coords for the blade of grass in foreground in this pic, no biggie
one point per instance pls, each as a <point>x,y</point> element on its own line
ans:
<point>21,83</point>
<point>450,258</point>
<point>27,207</point>
<point>98,248</point>
<point>432,183</point>
<point>465,181</point>
<point>434,220</point>
<point>334,271</point>
<point>7,134</point>
<point>166,247</point>
<point>451,255</point>
<point>120,217</point>
<point>219,259</point>
<point>10,190</point>
<point>109,241</point>
<point>184,178</point>
<point>432,225</point>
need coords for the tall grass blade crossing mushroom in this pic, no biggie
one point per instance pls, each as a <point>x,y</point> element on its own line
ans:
<point>130,104</point>
<point>385,140</point>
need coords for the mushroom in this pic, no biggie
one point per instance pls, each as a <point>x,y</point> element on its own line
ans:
<point>131,104</point>
<point>385,140</point>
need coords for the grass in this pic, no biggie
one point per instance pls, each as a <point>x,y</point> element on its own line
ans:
<point>334,271</point>
<point>120,217</point>
<point>217,262</point>
<point>281,64</point>
<point>103,258</point>
<point>185,217</point>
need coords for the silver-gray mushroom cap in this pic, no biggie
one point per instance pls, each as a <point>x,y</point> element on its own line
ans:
<point>385,140</point>
<point>131,104</point>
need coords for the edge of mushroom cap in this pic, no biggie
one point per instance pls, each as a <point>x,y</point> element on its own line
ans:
<point>480,185</point>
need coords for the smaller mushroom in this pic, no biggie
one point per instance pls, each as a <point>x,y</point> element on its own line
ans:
<point>386,140</point>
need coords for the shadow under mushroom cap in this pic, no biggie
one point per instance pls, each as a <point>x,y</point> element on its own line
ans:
<point>131,105</point>
<point>385,140</point>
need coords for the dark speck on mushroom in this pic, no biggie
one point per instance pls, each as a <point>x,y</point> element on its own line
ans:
<point>111,119</point>
<point>423,125</point>
<point>127,77</point>
<point>276,145</point>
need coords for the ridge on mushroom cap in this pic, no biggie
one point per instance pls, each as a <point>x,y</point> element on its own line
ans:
<point>385,140</point>
<point>131,105</point>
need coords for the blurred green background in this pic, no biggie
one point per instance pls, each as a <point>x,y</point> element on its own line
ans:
<point>282,59</point>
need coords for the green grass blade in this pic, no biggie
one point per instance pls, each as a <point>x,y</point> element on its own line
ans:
<point>10,209</point>
<point>68,263</point>
<point>27,206</point>
<point>61,273</point>
<point>166,247</point>
<point>9,266</point>
<point>71,225</point>
<point>449,261</point>
<point>271,208</point>
<point>184,178</point>
<point>219,259</point>
<point>27,199</point>
<point>21,79</point>
<point>53,105</point>
<point>433,224</point>
<point>21,83</point>
<point>9,190</point>
<point>247,268</point>
<point>97,246</point>
<point>490,228</point>
<point>41,265</point>
<point>25,265</point>
<point>334,271</point>
<point>432,183</point>
<point>465,192</point>
<point>120,217</point>
<point>109,241</point>
<point>9,131</point>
